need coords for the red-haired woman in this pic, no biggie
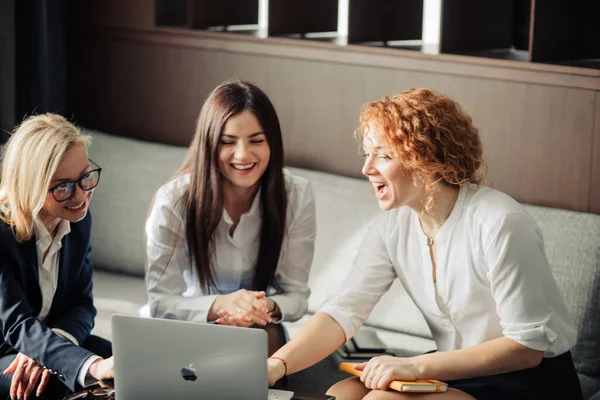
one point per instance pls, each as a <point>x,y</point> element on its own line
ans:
<point>469,256</point>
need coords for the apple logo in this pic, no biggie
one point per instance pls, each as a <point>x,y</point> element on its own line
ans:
<point>189,373</point>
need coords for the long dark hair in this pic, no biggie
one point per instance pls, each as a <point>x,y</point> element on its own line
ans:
<point>204,202</point>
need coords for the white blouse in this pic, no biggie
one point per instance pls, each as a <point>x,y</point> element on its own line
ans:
<point>493,277</point>
<point>48,270</point>
<point>172,281</point>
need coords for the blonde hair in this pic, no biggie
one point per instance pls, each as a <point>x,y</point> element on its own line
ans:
<point>29,160</point>
<point>431,135</point>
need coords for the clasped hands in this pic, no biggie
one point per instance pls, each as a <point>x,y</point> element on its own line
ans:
<point>27,374</point>
<point>243,308</point>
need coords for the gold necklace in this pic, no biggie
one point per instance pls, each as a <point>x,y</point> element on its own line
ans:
<point>430,241</point>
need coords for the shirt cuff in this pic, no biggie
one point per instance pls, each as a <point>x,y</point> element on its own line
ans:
<point>292,308</point>
<point>83,378</point>
<point>66,335</point>
<point>341,318</point>
<point>539,338</point>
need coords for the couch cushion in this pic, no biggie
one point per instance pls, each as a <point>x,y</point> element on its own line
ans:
<point>115,293</point>
<point>572,243</point>
<point>590,387</point>
<point>132,172</point>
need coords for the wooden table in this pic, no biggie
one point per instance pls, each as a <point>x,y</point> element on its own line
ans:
<point>106,393</point>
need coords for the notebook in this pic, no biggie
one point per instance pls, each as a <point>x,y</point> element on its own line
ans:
<point>423,386</point>
<point>167,359</point>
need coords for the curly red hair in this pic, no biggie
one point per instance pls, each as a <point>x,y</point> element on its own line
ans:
<point>431,135</point>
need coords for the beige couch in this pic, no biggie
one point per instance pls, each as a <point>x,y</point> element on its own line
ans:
<point>133,170</point>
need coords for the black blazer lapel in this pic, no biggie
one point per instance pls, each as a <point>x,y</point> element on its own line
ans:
<point>31,273</point>
<point>63,269</point>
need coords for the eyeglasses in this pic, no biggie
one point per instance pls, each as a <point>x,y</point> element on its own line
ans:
<point>64,191</point>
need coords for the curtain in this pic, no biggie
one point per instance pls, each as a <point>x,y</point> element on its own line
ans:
<point>33,59</point>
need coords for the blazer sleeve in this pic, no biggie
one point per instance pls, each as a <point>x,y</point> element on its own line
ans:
<point>79,318</point>
<point>28,335</point>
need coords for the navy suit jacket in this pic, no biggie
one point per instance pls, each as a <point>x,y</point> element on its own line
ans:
<point>72,308</point>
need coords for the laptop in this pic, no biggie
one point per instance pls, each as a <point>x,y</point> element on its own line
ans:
<point>157,359</point>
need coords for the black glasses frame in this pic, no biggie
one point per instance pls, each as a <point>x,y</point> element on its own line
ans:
<point>77,182</point>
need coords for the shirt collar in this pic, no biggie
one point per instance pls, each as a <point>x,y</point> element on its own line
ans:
<point>42,235</point>
<point>254,209</point>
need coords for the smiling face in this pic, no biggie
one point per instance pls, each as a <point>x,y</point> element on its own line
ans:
<point>73,166</point>
<point>243,151</point>
<point>393,185</point>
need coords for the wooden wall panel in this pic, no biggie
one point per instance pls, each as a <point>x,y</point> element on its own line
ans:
<point>537,138</point>
<point>595,178</point>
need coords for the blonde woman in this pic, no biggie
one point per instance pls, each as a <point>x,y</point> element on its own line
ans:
<point>46,308</point>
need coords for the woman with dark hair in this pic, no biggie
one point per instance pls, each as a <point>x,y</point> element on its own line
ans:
<point>230,238</point>
<point>469,256</point>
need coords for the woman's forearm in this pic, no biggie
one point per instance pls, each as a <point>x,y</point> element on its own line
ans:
<point>496,356</point>
<point>317,339</point>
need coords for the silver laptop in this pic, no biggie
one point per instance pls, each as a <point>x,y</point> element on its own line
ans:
<point>167,359</point>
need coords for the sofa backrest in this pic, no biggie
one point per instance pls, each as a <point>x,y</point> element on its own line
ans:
<point>132,172</point>
<point>572,243</point>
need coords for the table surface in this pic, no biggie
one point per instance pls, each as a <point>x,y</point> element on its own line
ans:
<point>298,395</point>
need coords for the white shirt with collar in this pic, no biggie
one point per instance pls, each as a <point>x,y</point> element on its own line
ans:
<point>493,277</point>
<point>172,282</point>
<point>48,273</point>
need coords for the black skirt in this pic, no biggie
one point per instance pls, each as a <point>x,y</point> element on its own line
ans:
<point>553,378</point>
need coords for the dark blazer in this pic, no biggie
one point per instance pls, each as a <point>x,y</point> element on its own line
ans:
<point>72,308</point>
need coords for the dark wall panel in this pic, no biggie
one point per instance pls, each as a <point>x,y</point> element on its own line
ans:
<point>205,13</point>
<point>7,68</point>
<point>537,138</point>
<point>302,16</point>
<point>383,20</point>
<point>565,30</point>
<point>472,25</point>
<point>132,14</point>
